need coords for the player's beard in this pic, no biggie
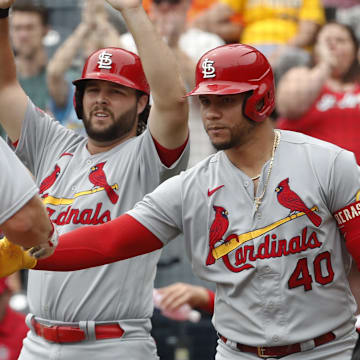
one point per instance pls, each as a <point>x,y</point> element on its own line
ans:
<point>239,135</point>
<point>118,129</point>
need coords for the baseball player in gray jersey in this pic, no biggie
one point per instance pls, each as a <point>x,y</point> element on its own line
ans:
<point>272,219</point>
<point>23,217</point>
<point>101,313</point>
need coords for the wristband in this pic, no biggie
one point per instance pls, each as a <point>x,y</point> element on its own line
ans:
<point>54,236</point>
<point>4,13</point>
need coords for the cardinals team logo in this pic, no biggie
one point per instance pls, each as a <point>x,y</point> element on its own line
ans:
<point>49,181</point>
<point>98,179</point>
<point>270,246</point>
<point>291,200</point>
<point>217,231</point>
<point>105,61</point>
<point>208,69</point>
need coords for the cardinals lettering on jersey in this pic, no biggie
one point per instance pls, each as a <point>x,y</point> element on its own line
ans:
<point>217,230</point>
<point>98,178</point>
<point>293,202</point>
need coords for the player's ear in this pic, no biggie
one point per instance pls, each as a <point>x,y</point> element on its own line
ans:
<point>141,103</point>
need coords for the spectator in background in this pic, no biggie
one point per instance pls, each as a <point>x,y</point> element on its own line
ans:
<point>324,100</point>
<point>93,33</point>
<point>12,326</point>
<point>28,27</point>
<point>275,28</point>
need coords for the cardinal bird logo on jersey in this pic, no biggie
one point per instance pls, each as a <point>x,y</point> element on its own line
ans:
<point>217,230</point>
<point>98,178</point>
<point>293,202</point>
<point>49,180</point>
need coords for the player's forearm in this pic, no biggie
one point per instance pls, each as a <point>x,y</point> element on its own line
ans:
<point>7,63</point>
<point>12,98</point>
<point>158,61</point>
<point>98,245</point>
<point>30,226</point>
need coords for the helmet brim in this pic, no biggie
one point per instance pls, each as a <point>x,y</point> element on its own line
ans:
<point>116,79</point>
<point>221,88</point>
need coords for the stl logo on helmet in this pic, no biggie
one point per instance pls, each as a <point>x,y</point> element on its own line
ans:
<point>105,60</point>
<point>208,68</point>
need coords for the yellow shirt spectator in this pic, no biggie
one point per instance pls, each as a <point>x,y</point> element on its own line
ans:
<point>274,21</point>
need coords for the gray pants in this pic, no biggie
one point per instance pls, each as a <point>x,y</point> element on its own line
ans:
<point>338,349</point>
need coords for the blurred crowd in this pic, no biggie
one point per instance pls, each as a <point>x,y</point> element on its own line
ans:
<point>312,45</point>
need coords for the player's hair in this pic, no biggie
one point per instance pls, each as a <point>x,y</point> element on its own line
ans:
<point>26,6</point>
<point>144,115</point>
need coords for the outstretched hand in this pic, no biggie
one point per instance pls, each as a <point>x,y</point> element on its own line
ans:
<point>124,4</point>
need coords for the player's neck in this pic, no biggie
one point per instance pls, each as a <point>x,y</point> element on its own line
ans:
<point>96,147</point>
<point>251,157</point>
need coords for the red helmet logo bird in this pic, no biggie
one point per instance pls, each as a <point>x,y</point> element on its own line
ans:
<point>49,180</point>
<point>291,200</point>
<point>217,230</point>
<point>98,178</point>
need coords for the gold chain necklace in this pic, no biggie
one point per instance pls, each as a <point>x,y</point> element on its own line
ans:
<point>258,199</point>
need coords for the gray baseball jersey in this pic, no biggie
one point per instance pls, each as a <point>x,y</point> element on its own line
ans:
<point>280,271</point>
<point>16,184</point>
<point>83,189</point>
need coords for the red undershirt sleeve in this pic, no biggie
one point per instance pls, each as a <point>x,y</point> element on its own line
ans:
<point>169,156</point>
<point>90,246</point>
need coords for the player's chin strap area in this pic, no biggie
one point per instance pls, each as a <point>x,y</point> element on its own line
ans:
<point>278,352</point>
<point>72,332</point>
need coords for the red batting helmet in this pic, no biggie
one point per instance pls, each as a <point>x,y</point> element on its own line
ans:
<point>111,64</point>
<point>235,69</point>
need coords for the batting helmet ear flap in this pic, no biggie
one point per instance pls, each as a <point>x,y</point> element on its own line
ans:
<point>261,103</point>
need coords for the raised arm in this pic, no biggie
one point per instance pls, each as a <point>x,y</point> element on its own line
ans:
<point>13,100</point>
<point>169,114</point>
<point>61,62</point>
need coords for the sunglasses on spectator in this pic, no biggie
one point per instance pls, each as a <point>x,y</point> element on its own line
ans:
<point>168,1</point>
